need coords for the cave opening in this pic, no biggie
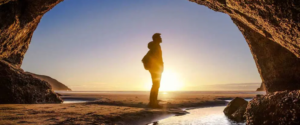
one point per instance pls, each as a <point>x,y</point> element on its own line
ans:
<point>75,45</point>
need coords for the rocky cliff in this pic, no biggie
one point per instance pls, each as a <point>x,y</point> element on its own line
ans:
<point>18,20</point>
<point>272,30</point>
<point>22,88</point>
<point>56,85</point>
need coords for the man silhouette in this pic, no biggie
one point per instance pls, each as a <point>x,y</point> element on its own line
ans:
<point>153,62</point>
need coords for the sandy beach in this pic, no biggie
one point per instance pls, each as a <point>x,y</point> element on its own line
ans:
<point>119,108</point>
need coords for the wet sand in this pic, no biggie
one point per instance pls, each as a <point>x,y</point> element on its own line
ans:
<point>110,108</point>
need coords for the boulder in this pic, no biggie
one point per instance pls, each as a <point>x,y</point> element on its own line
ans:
<point>235,109</point>
<point>278,108</point>
<point>239,114</point>
<point>18,87</point>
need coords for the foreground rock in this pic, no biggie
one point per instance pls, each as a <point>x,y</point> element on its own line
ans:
<point>56,85</point>
<point>235,109</point>
<point>279,108</point>
<point>22,88</point>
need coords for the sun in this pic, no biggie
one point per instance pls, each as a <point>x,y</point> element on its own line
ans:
<point>170,81</point>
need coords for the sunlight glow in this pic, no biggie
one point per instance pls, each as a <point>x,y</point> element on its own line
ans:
<point>170,81</point>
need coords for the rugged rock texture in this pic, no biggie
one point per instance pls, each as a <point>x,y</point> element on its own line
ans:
<point>277,20</point>
<point>279,108</point>
<point>272,31</point>
<point>278,67</point>
<point>235,109</point>
<point>18,20</point>
<point>22,88</point>
<point>239,115</point>
<point>262,87</point>
<point>56,85</point>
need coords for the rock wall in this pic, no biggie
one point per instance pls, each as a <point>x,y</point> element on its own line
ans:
<point>18,20</point>
<point>279,68</point>
<point>277,20</point>
<point>272,31</point>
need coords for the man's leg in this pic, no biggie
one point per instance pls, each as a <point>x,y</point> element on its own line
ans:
<point>155,88</point>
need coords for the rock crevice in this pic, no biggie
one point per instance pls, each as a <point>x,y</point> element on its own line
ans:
<point>278,67</point>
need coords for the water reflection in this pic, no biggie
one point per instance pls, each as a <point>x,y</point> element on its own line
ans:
<point>73,101</point>
<point>201,116</point>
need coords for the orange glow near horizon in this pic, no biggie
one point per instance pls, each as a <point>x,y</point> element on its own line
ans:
<point>170,81</point>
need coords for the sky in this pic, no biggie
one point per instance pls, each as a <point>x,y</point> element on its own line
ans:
<point>98,46</point>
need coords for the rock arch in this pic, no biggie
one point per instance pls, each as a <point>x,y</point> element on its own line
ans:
<point>272,31</point>
<point>270,27</point>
